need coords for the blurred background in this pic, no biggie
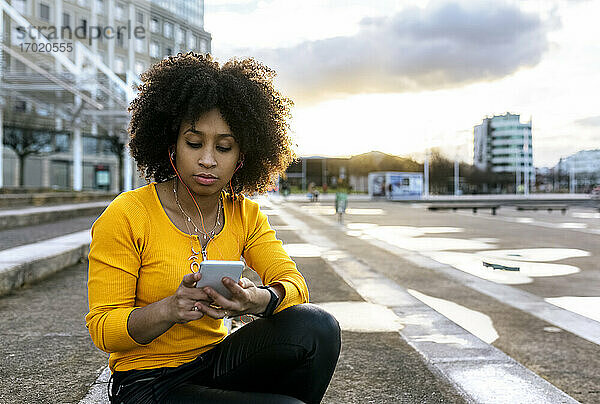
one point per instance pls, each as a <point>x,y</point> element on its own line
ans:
<point>478,96</point>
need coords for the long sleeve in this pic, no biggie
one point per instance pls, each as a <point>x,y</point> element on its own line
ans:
<point>265,254</point>
<point>118,238</point>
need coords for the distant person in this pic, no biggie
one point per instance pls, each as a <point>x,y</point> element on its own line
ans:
<point>204,134</point>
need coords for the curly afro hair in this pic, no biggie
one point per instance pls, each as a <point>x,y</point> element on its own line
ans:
<point>181,88</point>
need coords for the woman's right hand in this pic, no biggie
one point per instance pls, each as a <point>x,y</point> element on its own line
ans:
<point>147,323</point>
<point>183,301</point>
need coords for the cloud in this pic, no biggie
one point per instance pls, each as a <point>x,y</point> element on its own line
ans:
<point>592,121</point>
<point>445,45</point>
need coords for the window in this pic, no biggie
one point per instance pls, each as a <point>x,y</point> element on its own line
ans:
<point>203,47</point>
<point>168,30</point>
<point>44,12</point>
<point>100,6</point>
<point>140,45</point>
<point>46,138</point>
<point>191,42</point>
<point>82,3</point>
<point>62,143</point>
<point>120,39</point>
<point>119,66</point>
<point>154,25</point>
<point>106,146</point>
<point>139,17</point>
<point>66,21</point>
<point>20,106</point>
<point>180,36</point>
<point>154,49</point>
<point>19,5</point>
<point>120,12</point>
<point>139,68</point>
<point>168,52</point>
<point>90,145</point>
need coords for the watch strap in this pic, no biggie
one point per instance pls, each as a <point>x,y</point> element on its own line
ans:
<point>272,305</point>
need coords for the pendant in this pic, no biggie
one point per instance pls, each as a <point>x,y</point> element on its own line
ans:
<point>193,258</point>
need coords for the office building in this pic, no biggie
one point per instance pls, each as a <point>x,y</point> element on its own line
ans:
<point>503,144</point>
<point>66,74</point>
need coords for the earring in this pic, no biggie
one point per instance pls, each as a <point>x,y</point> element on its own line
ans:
<point>173,155</point>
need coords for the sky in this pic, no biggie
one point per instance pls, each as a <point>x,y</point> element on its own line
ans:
<point>404,76</point>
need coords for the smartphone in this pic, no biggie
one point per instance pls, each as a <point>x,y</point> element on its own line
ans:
<point>213,271</point>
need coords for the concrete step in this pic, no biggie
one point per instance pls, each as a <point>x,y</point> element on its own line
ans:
<point>51,198</point>
<point>30,216</point>
<point>32,262</point>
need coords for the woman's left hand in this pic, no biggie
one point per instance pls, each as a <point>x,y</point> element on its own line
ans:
<point>246,298</point>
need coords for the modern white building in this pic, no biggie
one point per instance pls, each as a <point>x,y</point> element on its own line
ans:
<point>584,162</point>
<point>67,71</point>
<point>582,170</point>
<point>503,144</point>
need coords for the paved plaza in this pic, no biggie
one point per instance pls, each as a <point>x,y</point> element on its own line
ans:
<point>423,319</point>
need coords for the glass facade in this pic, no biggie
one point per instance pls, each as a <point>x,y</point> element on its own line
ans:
<point>191,11</point>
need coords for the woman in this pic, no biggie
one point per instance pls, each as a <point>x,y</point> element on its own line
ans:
<point>198,129</point>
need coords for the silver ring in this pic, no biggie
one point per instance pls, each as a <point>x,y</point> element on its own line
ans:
<point>195,308</point>
<point>226,313</point>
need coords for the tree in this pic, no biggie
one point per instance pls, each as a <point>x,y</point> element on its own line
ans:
<point>363,164</point>
<point>25,142</point>
<point>117,145</point>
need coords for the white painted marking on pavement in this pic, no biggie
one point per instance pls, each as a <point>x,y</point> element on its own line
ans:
<point>519,299</point>
<point>475,322</point>
<point>363,316</point>
<point>468,366</point>
<point>571,225</point>
<point>303,250</point>
<point>533,223</point>
<point>538,254</point>
<point>410,238</point>
<point>368,211</point>
<point>586,215</point>
<point>472,263</point>
<point>588,306</point>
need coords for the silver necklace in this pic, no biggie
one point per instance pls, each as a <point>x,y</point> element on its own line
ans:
<point>211,234</point>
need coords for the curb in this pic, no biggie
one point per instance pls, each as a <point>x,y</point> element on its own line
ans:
<point>32,262</point>
<point>32,216</point>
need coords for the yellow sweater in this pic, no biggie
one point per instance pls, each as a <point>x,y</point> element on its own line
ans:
<point>138,256</point>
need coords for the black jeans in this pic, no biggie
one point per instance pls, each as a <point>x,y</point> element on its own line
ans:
<point>287,358</point>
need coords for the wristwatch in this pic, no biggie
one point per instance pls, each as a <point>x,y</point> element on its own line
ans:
<point>273,303</point>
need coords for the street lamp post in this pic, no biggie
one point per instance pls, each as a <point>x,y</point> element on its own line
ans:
<point>456,177</point>
<point>526,166</point>
<point>426,175</point>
